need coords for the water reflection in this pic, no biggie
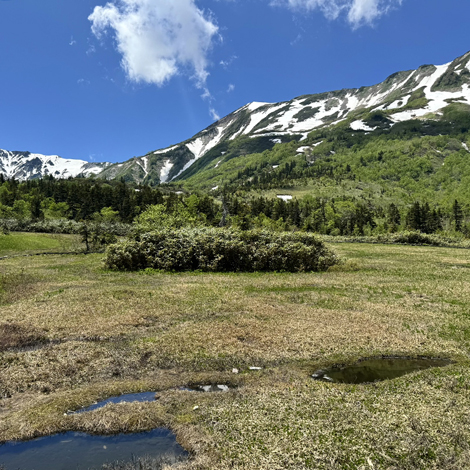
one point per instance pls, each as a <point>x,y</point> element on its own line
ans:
<point>377,369</point>
<point>127,398</point>
<point>79,451</point>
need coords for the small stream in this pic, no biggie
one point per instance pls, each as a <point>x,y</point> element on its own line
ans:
<point>127,398</point>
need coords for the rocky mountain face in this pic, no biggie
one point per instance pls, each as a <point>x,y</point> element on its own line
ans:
<point>421,94</point>
<point>414,94</point>
<point>25,165</point>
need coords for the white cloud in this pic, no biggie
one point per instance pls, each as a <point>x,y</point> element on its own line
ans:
<point>230,88</point>
<point>359,12</point>
<point>214,114</point>
<point>206,94</point>
<point>72,41</point>
<point>158,38</point>
<point>226,63</point>
<point>366,11</point>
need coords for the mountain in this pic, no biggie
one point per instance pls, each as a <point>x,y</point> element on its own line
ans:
<point>429,95</point>
<point>25,165</point>
<point>423,94</point>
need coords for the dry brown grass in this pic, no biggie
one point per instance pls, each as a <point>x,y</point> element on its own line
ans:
<point>16,336</point>
<point>112,333</point>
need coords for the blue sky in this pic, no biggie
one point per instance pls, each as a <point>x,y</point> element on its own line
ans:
<point>108,81</point>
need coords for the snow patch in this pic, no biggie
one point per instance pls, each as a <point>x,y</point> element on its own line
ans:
<point>214,188</point>
<point>465,146</point>
<point>165,150</point>
<point>360,126</point>
<point>196,147</point>
<point>165,171</point>
<point>200,146</point>
<point>284,197</point>
<point>437,99</point>
<point>23,165</point>
<point>256,118</point>
<point>143,163</point>
<point>255,105</point>
<point>276,141</point>
<point>302,149</point>
<point>398,103</point>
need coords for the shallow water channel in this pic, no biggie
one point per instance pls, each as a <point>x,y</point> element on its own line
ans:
<point>79,451</point>
<point>377,369</point>
<point>207,388</point>
<point>127,398</point>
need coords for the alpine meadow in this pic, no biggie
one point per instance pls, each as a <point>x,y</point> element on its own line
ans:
<point>288,289</point>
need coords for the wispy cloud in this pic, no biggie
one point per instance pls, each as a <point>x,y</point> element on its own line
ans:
<point>230,88</point>
<point>214,115</point>
<point>226,63</point>
<point>358,12</point>
<point>158,39</point>
<point>72,41</point>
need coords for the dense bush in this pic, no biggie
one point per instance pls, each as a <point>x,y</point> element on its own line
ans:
<point>415,238</point>
<point>404,238</point>
<point>211,249</point>
<point>60,226</point>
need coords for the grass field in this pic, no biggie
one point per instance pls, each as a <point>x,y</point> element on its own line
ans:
<point>72,333</point>
<point>17,243</point>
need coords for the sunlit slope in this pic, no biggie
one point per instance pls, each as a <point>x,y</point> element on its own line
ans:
<point>416,95</point>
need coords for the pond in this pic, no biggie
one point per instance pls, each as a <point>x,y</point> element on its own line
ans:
<point>127,398</point>
<point>79,451</point>
<point>377,369</point>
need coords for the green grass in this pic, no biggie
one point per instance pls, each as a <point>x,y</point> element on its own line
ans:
<point>28,243</point>
<point>123,332</point>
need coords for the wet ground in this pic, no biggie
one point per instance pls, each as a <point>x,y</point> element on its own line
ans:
<point>377,369</point>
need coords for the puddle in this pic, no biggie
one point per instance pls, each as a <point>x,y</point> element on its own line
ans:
<point>79,451</point>
<point>127,398</point>
<point>207,388</point>
<point>377,369</point>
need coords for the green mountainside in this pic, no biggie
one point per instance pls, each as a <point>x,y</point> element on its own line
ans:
<point>368,161</point>
<point>429,97</point>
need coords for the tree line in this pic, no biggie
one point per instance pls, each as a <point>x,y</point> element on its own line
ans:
<point>83,199</point>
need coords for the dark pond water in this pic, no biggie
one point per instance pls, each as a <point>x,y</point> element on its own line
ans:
<point>127,398</point>
<point>377,369</point>
<point>79,451</point>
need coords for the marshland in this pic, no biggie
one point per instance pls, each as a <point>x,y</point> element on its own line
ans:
<point>73,332</point>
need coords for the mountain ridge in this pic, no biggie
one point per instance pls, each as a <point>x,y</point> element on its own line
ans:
<point>406,95</point>
<point>22,166</point>
<point>402,96</point>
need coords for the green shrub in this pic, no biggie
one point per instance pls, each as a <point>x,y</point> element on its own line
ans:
<point>415,238</point>
<point>59,226</point>
<point>223,250</point>
<point>404,238</point>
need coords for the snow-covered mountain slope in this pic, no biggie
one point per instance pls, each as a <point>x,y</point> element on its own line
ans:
<point>25,165</point>
<point>414,94</point>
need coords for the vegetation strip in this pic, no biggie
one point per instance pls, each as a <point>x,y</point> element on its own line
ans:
<point>198,328</point>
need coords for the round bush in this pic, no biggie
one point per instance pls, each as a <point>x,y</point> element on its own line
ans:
<point>222,250</point>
